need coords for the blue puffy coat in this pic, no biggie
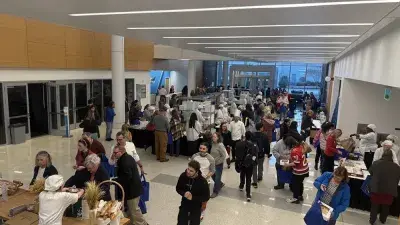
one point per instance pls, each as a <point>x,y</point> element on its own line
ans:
<point>341,199</point>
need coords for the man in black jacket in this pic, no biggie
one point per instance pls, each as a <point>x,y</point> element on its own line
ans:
<point>128,177</point>
<point>193,188</point>
<point>246,159</point>
<point>262,142</point>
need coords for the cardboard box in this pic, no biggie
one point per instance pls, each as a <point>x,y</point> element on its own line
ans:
<point>24,218</point>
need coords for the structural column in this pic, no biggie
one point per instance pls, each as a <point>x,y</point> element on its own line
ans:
<point>118,79</point>
<point>191,76</point>
<point>225,72</point>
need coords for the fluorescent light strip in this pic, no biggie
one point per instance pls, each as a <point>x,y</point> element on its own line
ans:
<point>252,26</point>
<point>295,56</point>
<point>308,47</point>
<point>272,36</point>
<point>272,43</point>
<point>261,51</point>
<point>276,6</point>
<point>285,54</point>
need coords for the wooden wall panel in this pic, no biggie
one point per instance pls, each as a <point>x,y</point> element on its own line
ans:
<point>46,33</point>
<point>13,48</point>
<point>101,51</point>
<point>78,42</point>
<point>14,22</point>
<point>138,54</point>
<point>79,62</point>
<point>46,56</point>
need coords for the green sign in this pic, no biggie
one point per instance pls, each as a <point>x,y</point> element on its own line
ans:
<point>388,94</point>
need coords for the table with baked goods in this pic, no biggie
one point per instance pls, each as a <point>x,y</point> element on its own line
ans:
<point>358,173</point>
<point>24,197</point>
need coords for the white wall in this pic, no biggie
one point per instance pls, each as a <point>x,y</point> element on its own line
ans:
<point>178,79</point>
<point>362,102</point>
<point>376,60</point>
<point>25,75</point>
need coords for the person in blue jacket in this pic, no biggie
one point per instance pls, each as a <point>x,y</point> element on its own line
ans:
<point>110,114</point>
<point>334,191</point>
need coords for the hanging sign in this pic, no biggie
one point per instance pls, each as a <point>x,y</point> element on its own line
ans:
<point>388,94</point>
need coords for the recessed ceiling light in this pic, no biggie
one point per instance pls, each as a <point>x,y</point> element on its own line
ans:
<point>251,26</point>
<point>273,43</point>
<point>271,36</point>
<point>276,6</point>
<point>278,47</point>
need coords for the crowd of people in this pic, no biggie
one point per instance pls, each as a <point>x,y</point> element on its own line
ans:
<point>243,137</point>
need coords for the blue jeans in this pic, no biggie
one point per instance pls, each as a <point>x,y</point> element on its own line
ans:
<point>109,127</point>
<point>176,147</point>
<point>217,177</point>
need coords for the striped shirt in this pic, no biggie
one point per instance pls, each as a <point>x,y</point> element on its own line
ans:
<point>330,191</point>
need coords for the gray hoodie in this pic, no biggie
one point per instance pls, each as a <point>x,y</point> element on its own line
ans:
<point>279,150</point>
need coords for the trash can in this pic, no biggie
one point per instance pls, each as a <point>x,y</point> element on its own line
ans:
<point>17,133</point>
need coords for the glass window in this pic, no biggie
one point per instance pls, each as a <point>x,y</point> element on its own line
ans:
<point>297,78</point>
<point>282,76</point>
<point>53,107</point>
<point>17,101</point>
<point>97,95</point>
<point>62,102</point>
<point>81,101</point>
<point>313,80</point>
<point>71,103</point>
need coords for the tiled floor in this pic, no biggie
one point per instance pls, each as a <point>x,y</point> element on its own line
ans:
<point>268,206</point>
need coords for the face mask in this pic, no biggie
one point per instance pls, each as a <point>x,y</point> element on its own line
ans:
<point>203,154</point>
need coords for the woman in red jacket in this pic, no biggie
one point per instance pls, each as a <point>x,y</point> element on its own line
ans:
<point>330,151</point>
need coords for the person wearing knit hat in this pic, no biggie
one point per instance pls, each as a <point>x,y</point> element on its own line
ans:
<point>54,200</point>
<point>368,144</point>
<point>386,145</point>
<point>395,147</point>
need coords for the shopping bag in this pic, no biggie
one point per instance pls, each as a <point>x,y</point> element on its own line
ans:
<point>314,215</point>
<point>365,186</point>
<point>285,177</point>
<point>142,206</point>
<point>146,189</point>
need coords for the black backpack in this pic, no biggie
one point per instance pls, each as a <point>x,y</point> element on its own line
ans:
<point>250,152</point>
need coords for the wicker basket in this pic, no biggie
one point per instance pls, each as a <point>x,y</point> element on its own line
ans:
<point>12,187</point>
<point>119,185</point>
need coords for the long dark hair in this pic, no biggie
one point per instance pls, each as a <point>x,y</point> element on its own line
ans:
<point>175,115</point>
<point>192,120</point>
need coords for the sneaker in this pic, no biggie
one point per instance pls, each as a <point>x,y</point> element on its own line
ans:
<point>278,187</point>
<point>248,198</point>
<point>301,199</point>
<point>240,188</point>
<point>214,195</point>
<point>229,166</point>
<point>255,185</point>
<point>260,179</point>
<point>293,200</point>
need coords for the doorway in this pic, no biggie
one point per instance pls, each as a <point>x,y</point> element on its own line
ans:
<point>38,115</point>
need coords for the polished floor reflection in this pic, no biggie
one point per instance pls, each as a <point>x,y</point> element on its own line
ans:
<point>268,206</point>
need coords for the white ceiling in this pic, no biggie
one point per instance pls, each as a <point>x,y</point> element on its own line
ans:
<point>58,11</point>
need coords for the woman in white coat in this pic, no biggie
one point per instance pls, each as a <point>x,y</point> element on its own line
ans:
<point>219,115</point>
<point>368,144</point>
<point>386,145</point>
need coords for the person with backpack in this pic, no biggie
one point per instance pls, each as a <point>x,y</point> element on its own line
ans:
<point>246,159</point>
<point>262,142</point>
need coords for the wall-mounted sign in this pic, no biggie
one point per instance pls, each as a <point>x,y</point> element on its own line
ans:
<point>141,90</point>
<point>388,94</point>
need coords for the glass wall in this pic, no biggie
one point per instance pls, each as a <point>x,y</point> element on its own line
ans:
<point>297,78</point>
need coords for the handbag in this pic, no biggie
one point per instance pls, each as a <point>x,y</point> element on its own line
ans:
<point>285,177</point>
<point>146,189</point>
<point>365,186</point>
<point>142,206</point>
<point>314,215</point>
<point>150,126</point>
